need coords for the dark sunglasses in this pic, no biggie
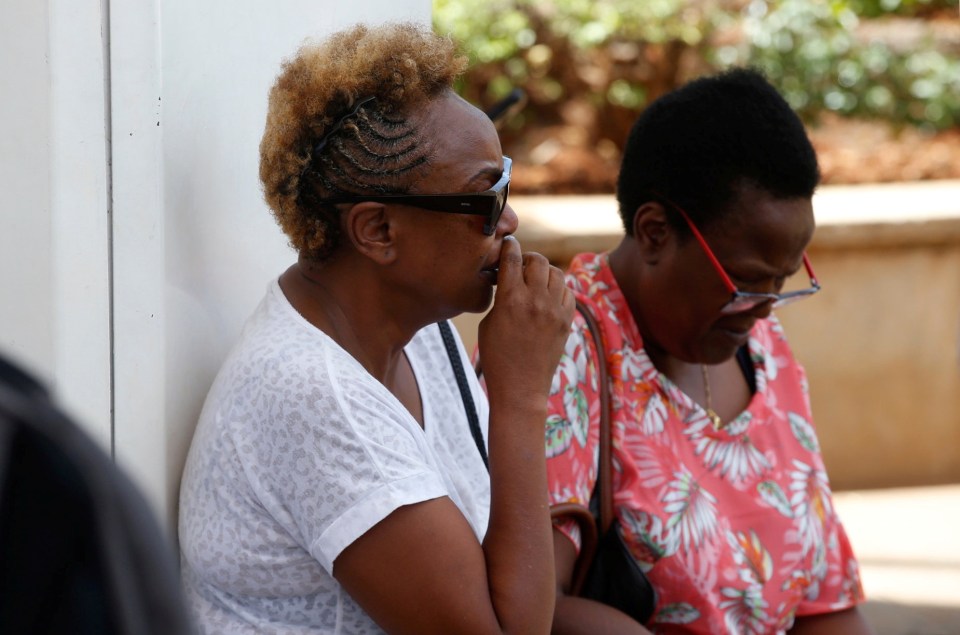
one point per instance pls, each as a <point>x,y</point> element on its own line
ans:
<point>741,301</point>
<point>489,203</point>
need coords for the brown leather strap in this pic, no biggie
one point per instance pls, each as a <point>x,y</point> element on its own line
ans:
<point>588,539</point>
<point>605,464</point>
<point>581,514</point>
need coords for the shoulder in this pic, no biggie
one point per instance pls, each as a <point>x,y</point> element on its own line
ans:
<point>771,334</point>
<point>434,364</point>
<point>428,344</point>
<point>580,339</point>
<point>288,383</point>
<point>577,371</point>
<point>583,271</point>
<point>770,348</point>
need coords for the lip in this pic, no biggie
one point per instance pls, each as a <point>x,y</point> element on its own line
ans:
<point>739,337</point>
<point>491,271</point>
<point>738,333</point>
<point>490,274</point>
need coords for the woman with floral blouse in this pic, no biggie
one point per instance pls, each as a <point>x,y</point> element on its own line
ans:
<point>720,490</point>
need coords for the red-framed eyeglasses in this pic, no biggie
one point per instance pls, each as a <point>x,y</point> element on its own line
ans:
<point>744,300</point>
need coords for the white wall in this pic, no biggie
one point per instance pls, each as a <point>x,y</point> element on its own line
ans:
<point>54,243</point>
<point>134,238</point>
<point>221,244</point>
<point>25,262</point>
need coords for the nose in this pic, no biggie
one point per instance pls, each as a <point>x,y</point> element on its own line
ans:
<point>508,222</point>
<point>763,310</point>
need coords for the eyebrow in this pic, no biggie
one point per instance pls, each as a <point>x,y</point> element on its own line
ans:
<point>493,173</point>
<point>756,274</point>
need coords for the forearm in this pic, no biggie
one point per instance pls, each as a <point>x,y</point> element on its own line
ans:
<point>519,542</point>
<point>846,622</point>
<point>578,616</point>
<point>520,342</point>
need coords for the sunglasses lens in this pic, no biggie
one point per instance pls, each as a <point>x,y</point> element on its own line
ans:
<point>490,227</point>
<point>498,204</point>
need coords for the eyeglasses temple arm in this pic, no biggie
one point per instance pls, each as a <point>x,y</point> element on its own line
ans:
<point>809,268</point>
<point>732,288</point>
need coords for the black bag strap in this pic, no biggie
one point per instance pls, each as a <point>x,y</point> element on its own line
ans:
<point>454,354</point>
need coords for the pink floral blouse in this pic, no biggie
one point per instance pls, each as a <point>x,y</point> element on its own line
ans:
<point>735,528</point>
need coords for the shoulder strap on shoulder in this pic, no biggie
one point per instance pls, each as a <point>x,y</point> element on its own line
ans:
<point>603,493</point>
<point>454,354</point>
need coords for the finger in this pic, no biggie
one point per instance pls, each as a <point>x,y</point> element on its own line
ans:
<point>558,288</point>
<point>556,279</point>
<point>569,302</point>
<point>536,269</point>
<point>511,262</point>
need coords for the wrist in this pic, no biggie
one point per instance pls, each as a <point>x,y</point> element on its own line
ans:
<point>528,407</point>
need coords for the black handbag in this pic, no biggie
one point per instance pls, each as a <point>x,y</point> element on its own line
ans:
<point>605,570</point>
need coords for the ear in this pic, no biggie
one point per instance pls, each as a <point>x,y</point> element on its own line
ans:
<point>369,228</point>
<point>652,231</point>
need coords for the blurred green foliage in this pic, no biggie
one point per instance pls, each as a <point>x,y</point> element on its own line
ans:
<point>617,55</point>
<point>877,8</point>
<point>811,51</point>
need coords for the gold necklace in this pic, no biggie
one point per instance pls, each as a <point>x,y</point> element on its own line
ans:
<point>711,413</point>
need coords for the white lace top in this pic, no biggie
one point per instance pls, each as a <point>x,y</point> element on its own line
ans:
<point>297,453</point>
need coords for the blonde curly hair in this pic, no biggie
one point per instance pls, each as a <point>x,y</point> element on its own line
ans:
<point>311,151</point>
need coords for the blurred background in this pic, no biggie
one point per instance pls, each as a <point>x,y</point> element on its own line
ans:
<point>878,81</point>
<point>878,84</point>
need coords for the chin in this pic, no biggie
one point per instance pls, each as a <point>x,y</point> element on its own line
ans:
<point>479,302</point>
<point>714,352</point>
<point>483,303</point>
<point>716,356</point>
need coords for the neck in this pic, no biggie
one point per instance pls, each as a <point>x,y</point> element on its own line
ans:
<point>348,308</point>
<point>716,387</point>
<point>626,265</point>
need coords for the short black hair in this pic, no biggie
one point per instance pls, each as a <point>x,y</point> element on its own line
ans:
<point>697,145</point>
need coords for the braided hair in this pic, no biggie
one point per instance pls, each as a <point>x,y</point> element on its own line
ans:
<point>325,138</point>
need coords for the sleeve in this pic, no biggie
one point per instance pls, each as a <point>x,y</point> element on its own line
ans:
<point>573,425</point>
<point>840,587</point>
<point>836,581</point>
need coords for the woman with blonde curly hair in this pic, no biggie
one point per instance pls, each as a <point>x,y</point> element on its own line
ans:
<point>335,483</point>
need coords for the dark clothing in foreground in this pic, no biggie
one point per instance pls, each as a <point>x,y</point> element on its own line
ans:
<point>80,550</point>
